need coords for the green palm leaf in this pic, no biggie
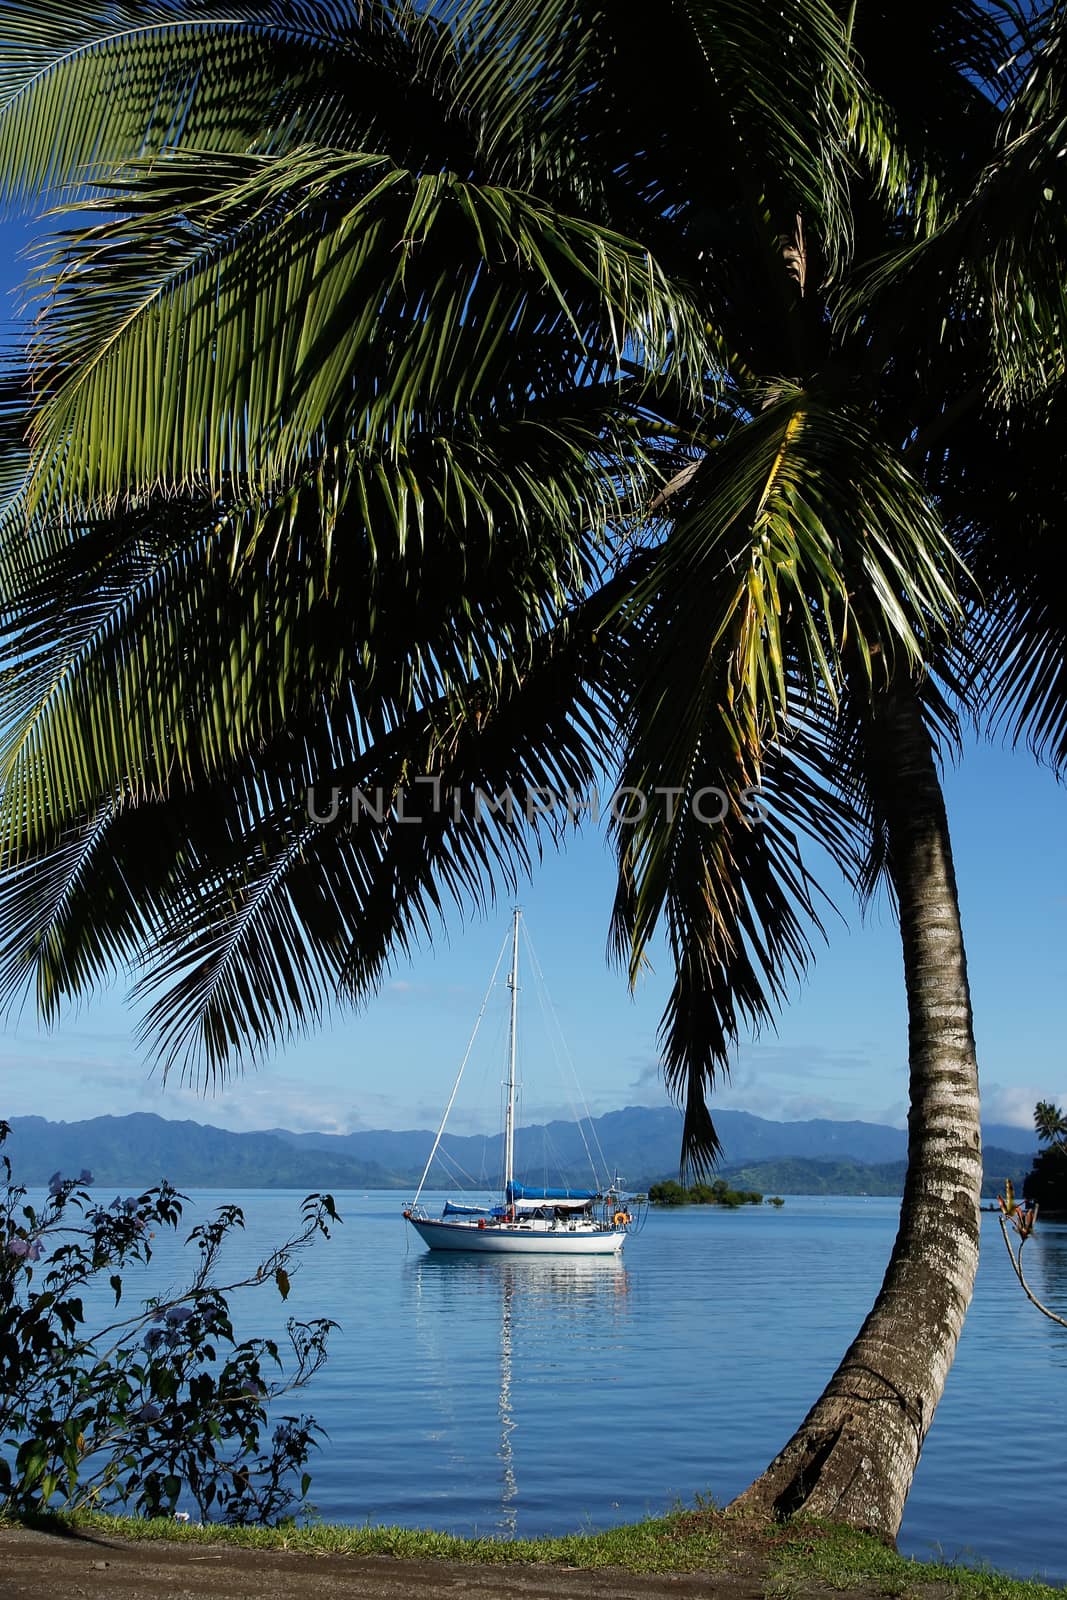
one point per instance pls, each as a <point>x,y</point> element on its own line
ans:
<point>1002,490</point>
<point>803,564</point>
<point>257,303</point>
<point>231,873</point>
<point>720,864</point>
<point>120,683</point>
<point>801,534</point>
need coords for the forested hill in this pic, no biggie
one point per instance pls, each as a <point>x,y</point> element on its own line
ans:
<point>642,1142</point>
<point>142,1148</point>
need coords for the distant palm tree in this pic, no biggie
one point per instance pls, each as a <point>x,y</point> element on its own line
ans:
<point>1050,1123</point>
<point>477,394</point>
<point>1046,1184</point>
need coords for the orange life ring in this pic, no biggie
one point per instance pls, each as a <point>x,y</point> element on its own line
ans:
<point>621,1218</point>
<point>481,1222</point>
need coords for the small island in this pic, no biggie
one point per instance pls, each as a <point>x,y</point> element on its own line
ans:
<point>718,1193</point>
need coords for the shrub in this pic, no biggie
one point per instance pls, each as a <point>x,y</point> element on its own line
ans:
<point>159,1403</point>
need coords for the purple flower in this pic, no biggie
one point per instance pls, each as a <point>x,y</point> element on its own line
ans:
<point>24,1249</point>
<point>152,1339</point>
<point>179,1314</point>
<point>149,1412</point>
<point>253,1391</point>
<point>55,1183</point>
<point>129,1205</point>
<point>85,1176</point>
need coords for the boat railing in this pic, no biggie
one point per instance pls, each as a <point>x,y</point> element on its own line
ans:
<point>622,1210</point>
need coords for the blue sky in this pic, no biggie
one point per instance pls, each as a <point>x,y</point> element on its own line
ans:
<point>840,1049</point>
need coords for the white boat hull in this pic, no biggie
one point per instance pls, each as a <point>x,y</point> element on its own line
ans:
<point>519,1239</point>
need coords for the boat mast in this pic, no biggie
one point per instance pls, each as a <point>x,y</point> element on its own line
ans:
<point>509,1124</point>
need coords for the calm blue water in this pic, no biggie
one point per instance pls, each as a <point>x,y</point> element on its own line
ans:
<point>542,1396</point>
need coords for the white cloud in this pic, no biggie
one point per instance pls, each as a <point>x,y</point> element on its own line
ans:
<point>783,1082</point>
<point>272,1100</point>
<point>76,1084</point>
<point>1014,1103</point>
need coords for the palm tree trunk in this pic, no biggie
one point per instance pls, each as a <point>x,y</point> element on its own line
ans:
<point>853,1457</point>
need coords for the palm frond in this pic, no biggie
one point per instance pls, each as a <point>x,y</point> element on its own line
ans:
<point>1013,231</point>
<point>787,93</point>
<point>717,856</point>
<point>262,308</point>
<point>800,534</point>
<point>1002,490</point>
<point>801,555</point>
<point>153,652</point>
<point>1021,640</point>
<point>990,272</point>
<point>251,915</point>
<point>84,88</point>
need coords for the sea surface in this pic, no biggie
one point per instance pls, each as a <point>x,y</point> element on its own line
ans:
<point>499,1395</point>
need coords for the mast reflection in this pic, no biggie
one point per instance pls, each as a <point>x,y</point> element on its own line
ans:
<point>509,1495</point>
<point>546,1304</point>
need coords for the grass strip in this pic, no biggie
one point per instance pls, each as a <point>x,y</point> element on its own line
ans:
<point>805,1552</point>
<point>784,1559</point>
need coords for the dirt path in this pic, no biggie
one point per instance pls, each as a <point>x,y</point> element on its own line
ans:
<point>44,1566</point>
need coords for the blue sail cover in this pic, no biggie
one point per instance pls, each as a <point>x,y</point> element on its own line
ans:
<point>451,1209</point>
<point>522,1191</point>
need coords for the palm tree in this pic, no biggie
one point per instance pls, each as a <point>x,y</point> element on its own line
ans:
<point>512,386</point>
<point>916,346</point>
<point>1050,1123</point>
<point>1047,1183</point>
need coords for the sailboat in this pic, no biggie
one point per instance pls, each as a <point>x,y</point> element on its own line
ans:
<point>526,1220</point>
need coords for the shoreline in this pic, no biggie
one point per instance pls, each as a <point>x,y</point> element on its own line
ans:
<point>700,1552</point>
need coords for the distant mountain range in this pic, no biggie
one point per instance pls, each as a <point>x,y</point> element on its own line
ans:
<point>642,1142</point>
<point>142,1148</point>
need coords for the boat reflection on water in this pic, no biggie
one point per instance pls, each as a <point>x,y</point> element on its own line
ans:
<point>555,1318</point>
